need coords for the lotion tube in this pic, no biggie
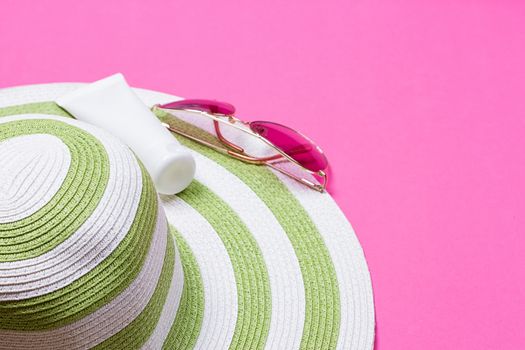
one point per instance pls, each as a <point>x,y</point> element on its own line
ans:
<point>112,105</point>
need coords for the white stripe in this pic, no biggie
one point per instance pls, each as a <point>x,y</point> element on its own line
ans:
<point>98,236</point>
<point>284,272</point>
<point>355,287</point>
<point>171,306</point>
<point>109,319</point>
<point>33,170</point>
<point>41,92</point>
<point>220,289</point>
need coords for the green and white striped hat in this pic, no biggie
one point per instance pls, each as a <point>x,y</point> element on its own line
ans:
<point>90,256</point>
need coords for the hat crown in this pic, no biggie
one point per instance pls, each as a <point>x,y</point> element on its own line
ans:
<point>80,227</point>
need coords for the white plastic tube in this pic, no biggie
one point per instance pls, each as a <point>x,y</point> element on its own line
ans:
<point>112,105</point>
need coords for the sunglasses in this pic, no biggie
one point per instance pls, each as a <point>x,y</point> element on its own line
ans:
<point>257,142</point>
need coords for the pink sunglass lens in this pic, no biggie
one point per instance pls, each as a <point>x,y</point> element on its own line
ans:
<point>297,146</point>
<point>209,106</point>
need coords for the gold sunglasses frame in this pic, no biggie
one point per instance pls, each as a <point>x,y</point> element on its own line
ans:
<point>238,152</point>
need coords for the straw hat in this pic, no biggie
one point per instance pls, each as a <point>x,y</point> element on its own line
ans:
<point>90,256</point>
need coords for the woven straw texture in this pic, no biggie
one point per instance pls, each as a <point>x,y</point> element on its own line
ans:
<point>91,257</point>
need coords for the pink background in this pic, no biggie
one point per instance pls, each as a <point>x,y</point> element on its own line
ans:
<point>419,104</point>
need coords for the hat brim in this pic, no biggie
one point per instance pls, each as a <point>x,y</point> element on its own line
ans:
<point>263,262</point>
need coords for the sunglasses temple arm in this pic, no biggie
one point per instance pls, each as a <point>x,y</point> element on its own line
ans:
<point>238,156</point>
<point>202,142</point>
<point>320,188</point>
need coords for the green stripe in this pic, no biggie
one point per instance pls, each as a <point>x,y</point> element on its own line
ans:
<point>39,108</point>
<point>99,286</point>
<point>71,206</point>
<point>251,276</point>
<point>134,335</point>
<point>187,324</point>
<point>321,328</point>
